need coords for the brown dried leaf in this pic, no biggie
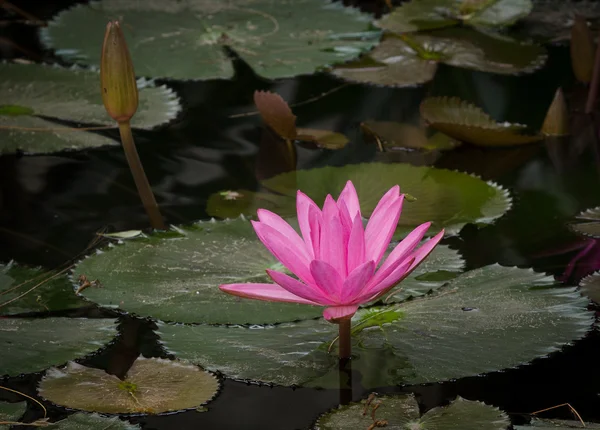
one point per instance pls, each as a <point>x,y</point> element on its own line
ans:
<point>582,50</point>
<point>557,118</point>
<point>276,113</point>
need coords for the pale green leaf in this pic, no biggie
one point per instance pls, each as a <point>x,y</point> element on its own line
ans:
<point>73,95</point>
<point>32,345</point>
<point>83,421</point>
<point>448,199</point>
<point>401,412</point>
<point>590,287</point>
<point>542,424</point>
<point>186,40</point>
<point>497,317</point>
<point>151,386</point>
<point>588,223</point>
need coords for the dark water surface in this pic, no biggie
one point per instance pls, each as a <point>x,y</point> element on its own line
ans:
<point>52,205</point>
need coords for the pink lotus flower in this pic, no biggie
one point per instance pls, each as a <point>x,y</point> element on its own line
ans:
<point>336,259</point>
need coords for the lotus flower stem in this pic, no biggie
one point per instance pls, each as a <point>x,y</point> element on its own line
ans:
<point>120,97</point>
<point>593,92</point>
<point>139,177</point>
<point>345,339</point>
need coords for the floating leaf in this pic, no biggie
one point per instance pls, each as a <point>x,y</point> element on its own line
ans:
<point>176,278</point>
<point>590,287</point>
<point>556,122</point>
<point>276,113</point>
<point>449,199</point>
<point>11,412</point>
<point>394,135</point>
<point>468,123</point>
<point>192,35</point>
<point>553,19</point>
<point>412,59</point>
<point>32,345</point>
<point>402,412</point>
<point>540,424</point>
<point>588,223</point>
<point>417,15</point>
<point>119,235</point>
<point>497,317</point>
<point>152,386</point>
<point>59,94</point>
<point>582,50</point>
<point>23,289</point>
<point>83,421</point>
<point>322,138</point>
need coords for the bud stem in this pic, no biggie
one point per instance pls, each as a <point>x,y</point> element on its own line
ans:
<point>139,176</point>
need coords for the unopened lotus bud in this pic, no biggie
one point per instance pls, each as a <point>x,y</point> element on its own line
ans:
<point>119,88</point>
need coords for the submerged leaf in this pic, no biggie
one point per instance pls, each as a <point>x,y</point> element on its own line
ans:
<point>322,138</point>
<point>59,94</point>
<point>186,40</point>
<point>448,199</point>
<point>276,113</point>
<point>177,279</point>
<point>497,317</point>
<point>394,135</point>
<point>83,421</point>
<point>23,289</point>
<point>11,412</point>
<point>32,345</point>
<point>401,412</point>
<point>152,386</point>
<point>417,15</point>
<point>556,122</point>
<point>467,122</point>
<point>588,223</point>
<point>582,50</point>
<point>553,19</point>
<point>412,59</point>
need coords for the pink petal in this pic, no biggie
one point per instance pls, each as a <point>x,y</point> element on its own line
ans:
<point>422,253</point>
<point>381,227</point>
<point>265,292</point>
<point>339,312</point>
<point>346,222</point>
<point>376,290</point>
<point>357,281</point>
<point>308,292</point>
<point>303,208</point>
<point>327,278</point>
<point>356,245</point>
<point>279,224</point>
<point>279,246</point>
<point>315,219</point>
<point>349,197</point>
<point>333,249</point>
<point>400,252</point>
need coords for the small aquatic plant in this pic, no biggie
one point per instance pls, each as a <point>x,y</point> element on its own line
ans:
<point>336,258</point>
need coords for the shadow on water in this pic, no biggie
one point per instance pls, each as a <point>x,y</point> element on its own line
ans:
<point>52,205</point>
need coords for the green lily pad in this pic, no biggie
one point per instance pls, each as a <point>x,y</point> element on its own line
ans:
<point>176,277</point>
<point>590,287</point>
<point>588,223</point>
<point>32,345</point>
<point>59,94</point>
<point>34,290</point>
<point>447,198</point>
<point>402,413</point>
<point>497,317</point>
<point>152,386</point>
<point>552,19</point>
<point>393,136</point>
<point>192,35</point>
<point>11,412</point>
<point>418,15</point>
<point>540,424</point>
<point>469,123</point>
<point>412,59</point>
<point>83,421</point>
